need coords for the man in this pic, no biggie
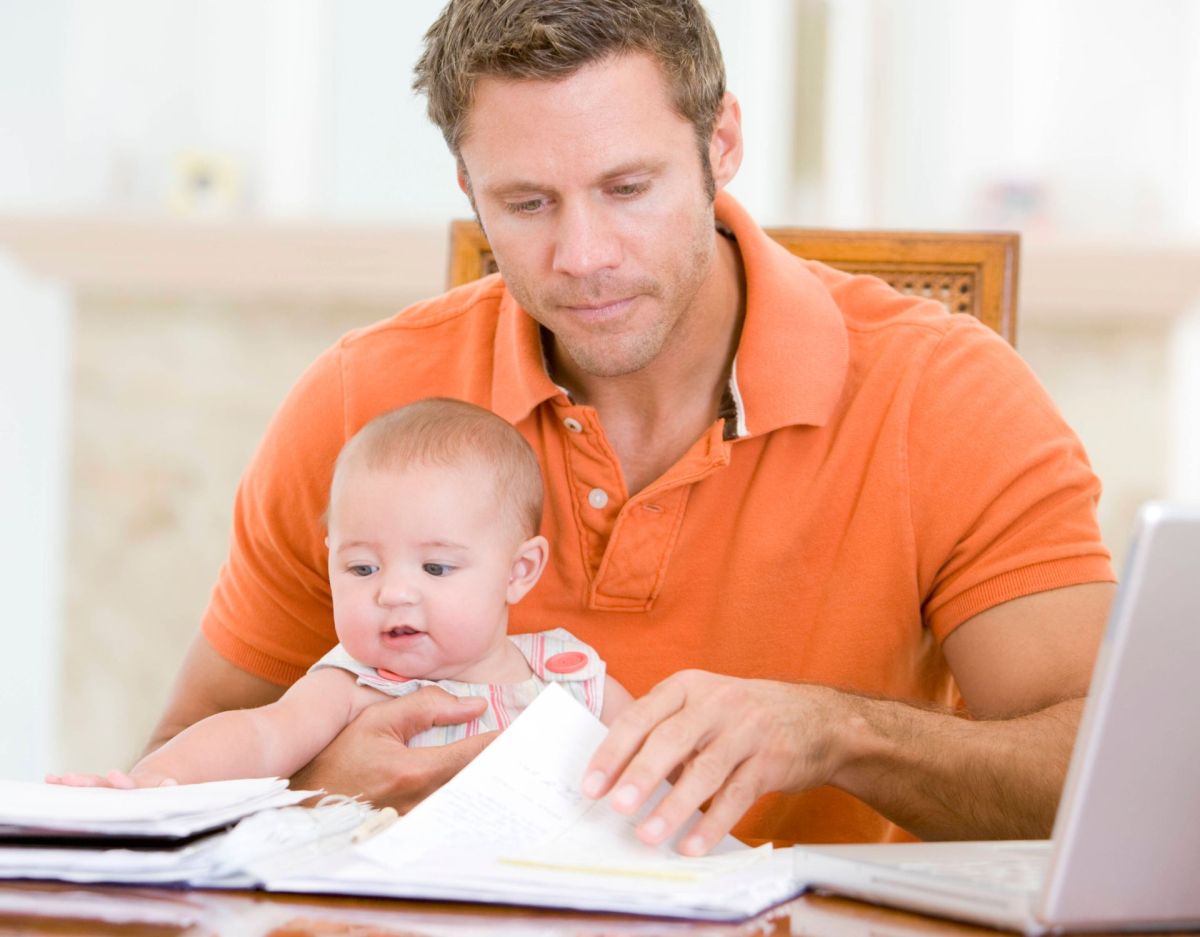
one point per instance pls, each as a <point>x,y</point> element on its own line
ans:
<point>801,516</point>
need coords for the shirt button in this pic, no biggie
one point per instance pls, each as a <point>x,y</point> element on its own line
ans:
<point>566,662</point>
<point>573,424</point>
<point>597,498</point>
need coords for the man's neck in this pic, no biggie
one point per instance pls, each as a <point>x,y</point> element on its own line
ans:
<point>654,415</point>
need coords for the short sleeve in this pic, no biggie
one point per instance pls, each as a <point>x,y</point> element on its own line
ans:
<point>1003,498</point>
<point>557,656</point>
<point>270,612</point>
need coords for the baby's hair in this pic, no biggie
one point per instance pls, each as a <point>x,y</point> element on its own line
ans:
<point>444,432</point>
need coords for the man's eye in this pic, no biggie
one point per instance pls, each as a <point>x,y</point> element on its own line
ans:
<point>436,569</point>
<point>362,569</point>
<point>527,207</point>
<point>629,189</point>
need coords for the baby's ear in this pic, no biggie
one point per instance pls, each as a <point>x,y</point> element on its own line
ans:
<point>528,562</point>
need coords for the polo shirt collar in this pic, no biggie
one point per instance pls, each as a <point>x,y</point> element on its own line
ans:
<point>519,379</point>
<point>794,352</point>
<point>791,360</point>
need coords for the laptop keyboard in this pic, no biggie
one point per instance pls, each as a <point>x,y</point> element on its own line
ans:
<point>1018,870</point>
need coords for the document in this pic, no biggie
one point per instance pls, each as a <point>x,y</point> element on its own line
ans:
<point>514,827</point>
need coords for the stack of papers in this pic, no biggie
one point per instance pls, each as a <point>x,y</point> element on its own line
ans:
<point>147,836</point>
<point>42,810</point>
<point>513,827</point>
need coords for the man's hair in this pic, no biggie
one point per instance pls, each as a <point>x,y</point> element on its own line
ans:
<point>545,40</point>
<point>453,433</point>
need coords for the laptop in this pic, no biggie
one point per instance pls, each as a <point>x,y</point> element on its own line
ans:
<point>1125,851</point>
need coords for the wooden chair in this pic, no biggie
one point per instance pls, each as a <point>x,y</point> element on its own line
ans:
<point>968,272</point>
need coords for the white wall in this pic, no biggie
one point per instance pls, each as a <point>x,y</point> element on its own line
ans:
<point>1049,115</point>
<point>34,359</point>
<point>937,113</point>
<point>386,161</point>
<point>33,158</point>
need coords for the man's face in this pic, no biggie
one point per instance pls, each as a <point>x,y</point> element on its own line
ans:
<point>592,195</point>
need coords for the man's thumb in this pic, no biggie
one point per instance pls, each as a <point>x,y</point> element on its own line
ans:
<point>433,706</point>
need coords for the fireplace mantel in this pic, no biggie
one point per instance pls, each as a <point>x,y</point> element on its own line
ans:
<point>389,264</point>
<point>371,264</point>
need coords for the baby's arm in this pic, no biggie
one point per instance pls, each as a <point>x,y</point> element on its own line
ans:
<point>616,698</point>
<point>275,740</point>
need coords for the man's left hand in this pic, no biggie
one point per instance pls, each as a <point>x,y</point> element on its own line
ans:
<point>728,741</point>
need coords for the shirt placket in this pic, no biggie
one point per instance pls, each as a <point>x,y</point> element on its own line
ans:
<point>627,542</point>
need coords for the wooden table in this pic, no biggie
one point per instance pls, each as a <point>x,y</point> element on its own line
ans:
<point>43,908</point>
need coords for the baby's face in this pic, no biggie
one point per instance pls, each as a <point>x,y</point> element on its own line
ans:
<point>419,565</point>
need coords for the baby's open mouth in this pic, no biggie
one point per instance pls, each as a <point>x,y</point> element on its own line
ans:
<point>401,632</point>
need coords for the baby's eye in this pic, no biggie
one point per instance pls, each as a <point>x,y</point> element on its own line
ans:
<point>436,569</point>
<point>362,569</point>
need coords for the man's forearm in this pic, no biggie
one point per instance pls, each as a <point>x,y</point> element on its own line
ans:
<point>942,776</point>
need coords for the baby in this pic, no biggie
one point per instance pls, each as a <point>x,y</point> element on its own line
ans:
<point>432,533</point>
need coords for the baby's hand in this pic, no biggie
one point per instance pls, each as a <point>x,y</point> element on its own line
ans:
<point>117,779</point>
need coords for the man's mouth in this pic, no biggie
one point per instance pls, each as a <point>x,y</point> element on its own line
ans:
<point>599,309</point>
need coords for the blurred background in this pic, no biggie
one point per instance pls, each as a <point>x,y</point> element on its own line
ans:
<point>197,196</point>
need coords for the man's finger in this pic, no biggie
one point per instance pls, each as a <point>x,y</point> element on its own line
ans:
<point>627,735</point>
<point>728,806</point>
<point>706,773</point>
<point>465,750</point>
<point>428,707</point>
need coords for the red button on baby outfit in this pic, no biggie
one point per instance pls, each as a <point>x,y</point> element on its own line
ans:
<point>566,662</point>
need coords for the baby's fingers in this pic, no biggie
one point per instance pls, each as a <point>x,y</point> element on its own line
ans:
<point>78,780</point>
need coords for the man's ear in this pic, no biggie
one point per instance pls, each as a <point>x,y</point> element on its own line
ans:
<point>528,562</point>
<point>725,146</point>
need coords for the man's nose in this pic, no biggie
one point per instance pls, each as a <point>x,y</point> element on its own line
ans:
<point>585,242</point>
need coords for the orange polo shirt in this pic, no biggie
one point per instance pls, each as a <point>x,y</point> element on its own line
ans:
<point>886,471</point>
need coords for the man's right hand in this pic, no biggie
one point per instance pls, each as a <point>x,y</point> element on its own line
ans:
<point>371,757</point>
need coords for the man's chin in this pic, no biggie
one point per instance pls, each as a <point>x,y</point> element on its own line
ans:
<point>598,363</point>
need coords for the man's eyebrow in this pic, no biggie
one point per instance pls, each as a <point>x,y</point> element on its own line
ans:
<point>515,187</point>
<point>523,186</point>
<point>633,168</point>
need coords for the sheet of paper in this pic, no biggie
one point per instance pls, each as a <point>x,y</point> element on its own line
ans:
<point>522,788</point>
<point>178,810</point>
